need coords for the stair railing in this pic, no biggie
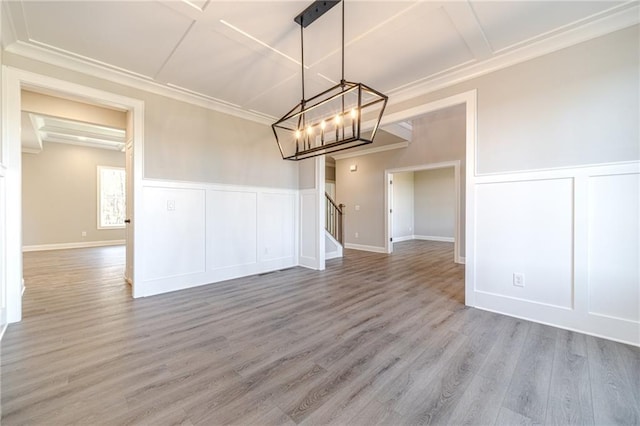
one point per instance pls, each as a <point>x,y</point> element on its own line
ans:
<point>333,219</point>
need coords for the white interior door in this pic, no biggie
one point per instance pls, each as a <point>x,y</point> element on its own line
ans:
<point>390,217</point>
<point>128,271</point>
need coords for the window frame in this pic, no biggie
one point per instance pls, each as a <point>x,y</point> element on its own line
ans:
<point>99,197</point>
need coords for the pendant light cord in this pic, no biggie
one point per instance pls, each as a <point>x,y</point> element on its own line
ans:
<point>302,56</point>
<point>342,41</point>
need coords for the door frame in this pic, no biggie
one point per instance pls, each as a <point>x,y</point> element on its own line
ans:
<point>470,100</point>
<point>389,202</point>
<point>13,81</point>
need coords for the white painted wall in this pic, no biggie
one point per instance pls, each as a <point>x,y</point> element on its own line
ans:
<point>574,234</point>
<point>312,213</point>
<point>3,201</point>
<point>212,233</point>
<point>403,206</point>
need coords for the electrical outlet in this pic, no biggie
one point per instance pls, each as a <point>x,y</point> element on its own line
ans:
<point>171,205</point>
<point>357,207</point>
<point>518,279</point>
<point>357,235</point>
<point>84,233</point>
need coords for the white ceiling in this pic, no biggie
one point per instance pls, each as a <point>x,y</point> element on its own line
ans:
<point>245,54</point>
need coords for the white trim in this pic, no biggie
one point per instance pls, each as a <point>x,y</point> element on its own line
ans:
<point>185,184</point>
<point>580,170</point>
<point>405,238</point>
<point>424,238</point>
<point>374,249</point>
<point>65,246</point>
<point>374,150</point>
<point>336,253</point>
<point>560,326</point>
<point>387,195</point>
<point>616,18</point>
<point>433,238</point>
<point>628,14</point>
<point>4,328</point>
<point>109,73</point>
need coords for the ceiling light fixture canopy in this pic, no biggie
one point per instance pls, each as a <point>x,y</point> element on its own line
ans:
<point>332,120</point>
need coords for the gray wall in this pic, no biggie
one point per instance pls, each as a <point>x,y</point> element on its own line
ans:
<point>59,194</point>
<point>576,106</point>
<point>403,205</point>
<point>437,137</point>
<point>435,203</point>
<point>190,143</point>
<point>307,173</point>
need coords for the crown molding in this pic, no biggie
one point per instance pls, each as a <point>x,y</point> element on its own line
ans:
<point>103,71</point>
<point>624,16</point>
<point>369,151</point>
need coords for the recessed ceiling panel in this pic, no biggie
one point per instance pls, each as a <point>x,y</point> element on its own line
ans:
<point>210,63</point>
<point>424,42</point>
<point>272,23</point>
<point>134,35</point>
<point>513,22</point>
<point>280,99</point>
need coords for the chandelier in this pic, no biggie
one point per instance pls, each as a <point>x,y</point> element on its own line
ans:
<point>332,120</point>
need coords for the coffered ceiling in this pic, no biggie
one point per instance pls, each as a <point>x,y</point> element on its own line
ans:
<point>245,55</point>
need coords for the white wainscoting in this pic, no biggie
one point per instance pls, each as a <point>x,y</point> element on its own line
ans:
<point>308,223</point>
<point>194,234</point>
<point>3,252</point>
<point>574,234</point>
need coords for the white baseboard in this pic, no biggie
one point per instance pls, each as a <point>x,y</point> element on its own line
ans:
<point>362,247</point>
<point>401,239</point>
<point>432,238</point>
<point>332,255</point>
<point>63,246</point>
<point>4,328</point>
<point>462,260</point>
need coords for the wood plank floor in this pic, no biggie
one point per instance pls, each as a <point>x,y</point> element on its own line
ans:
<point>374,339</point>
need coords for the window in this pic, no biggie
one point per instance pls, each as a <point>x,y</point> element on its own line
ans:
<point>111,197</point>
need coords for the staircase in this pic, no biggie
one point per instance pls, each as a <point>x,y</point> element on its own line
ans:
<point>334,228</point>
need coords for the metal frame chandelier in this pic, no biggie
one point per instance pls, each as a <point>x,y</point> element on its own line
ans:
<point>332,120</point>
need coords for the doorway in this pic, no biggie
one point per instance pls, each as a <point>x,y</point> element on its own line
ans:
<point>409,221</point>
<point>14,82</point>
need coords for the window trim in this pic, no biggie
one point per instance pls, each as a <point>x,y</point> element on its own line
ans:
<point>99,197</point>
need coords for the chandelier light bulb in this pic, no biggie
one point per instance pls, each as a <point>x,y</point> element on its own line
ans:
<point>323,124</point>
<point>297,134</point>
<point>354,113</point>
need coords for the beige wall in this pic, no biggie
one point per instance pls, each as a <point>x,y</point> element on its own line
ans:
<point>437,137</point>
<point>435,202</point>
<point>190,143</point>
<point>330,173</point>
<point>59,194</point>
<point>73,110</point>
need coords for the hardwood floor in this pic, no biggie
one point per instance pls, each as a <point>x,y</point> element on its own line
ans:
<point>374,339</point>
